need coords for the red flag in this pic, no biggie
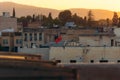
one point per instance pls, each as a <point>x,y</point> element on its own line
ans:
<point>58,39</point>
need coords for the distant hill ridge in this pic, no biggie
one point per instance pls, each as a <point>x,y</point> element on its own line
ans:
<point>23,10</point>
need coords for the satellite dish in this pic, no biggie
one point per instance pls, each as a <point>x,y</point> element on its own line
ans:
<point>117,32</point>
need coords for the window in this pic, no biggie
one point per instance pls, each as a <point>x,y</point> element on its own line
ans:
<point>25,39</point>
<point>35,37</point>
<point>30,36</point>
<point>18,41</point>
<point>5,41</point>
<point>40,36</point>
<point>102,61</point>
<point>92,61</point>
<point>112,42</point>
<point>72,61</point>
<point>118,61</point>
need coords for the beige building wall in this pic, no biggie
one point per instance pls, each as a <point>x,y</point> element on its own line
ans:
<point>17,38</point>
<point>95,40</point>
<point>80,31</point>
<point>85,54</point>
<point>4,38</point>
<point>9,39</point>
<point>65,54</point>
<point>8,23</point>
<point>112,54</point>
<point>106,40</point>
<point>27,43</point>
<point>67,34</point>
<point>89,40</point>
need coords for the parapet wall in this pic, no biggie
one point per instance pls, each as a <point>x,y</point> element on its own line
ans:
<point>44,52</point>
<point>85,54</point>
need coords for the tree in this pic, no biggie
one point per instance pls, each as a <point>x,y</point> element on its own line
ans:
<point>77,19</point>
<point>85,21</point>
<point>13,15</point>
<point>50,16</point>
<point>23,20</point>
<point>44,20</point>
<point>47,21</point>
<point>115,19</point>
<point>33,18</point>
<point>108,22</point>
<point>119,22</point>
<point>65,16</point>
<point>29,18</point>
<point>56,21</point>
<point>90,18</point>
<point>41,17</point>
<point>50,19</point>
<point>37,18</point>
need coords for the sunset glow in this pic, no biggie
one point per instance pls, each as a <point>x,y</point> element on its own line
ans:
<point>113,5</point>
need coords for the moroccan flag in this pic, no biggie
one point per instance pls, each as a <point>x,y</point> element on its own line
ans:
<point>58,38</point>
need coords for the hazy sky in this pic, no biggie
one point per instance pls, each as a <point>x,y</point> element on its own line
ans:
<point>113,5</point>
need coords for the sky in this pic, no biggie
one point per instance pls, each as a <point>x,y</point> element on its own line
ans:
<point>113,5</point>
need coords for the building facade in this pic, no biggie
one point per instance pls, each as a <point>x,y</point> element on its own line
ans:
<point>32,37</point>
<point>7,22</point>
<point>11,40</point>
<point>100,39</point>
<point>85,54</point>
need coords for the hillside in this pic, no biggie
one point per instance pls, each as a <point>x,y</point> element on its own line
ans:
<point>98,13</point>
<point>23,10</point>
